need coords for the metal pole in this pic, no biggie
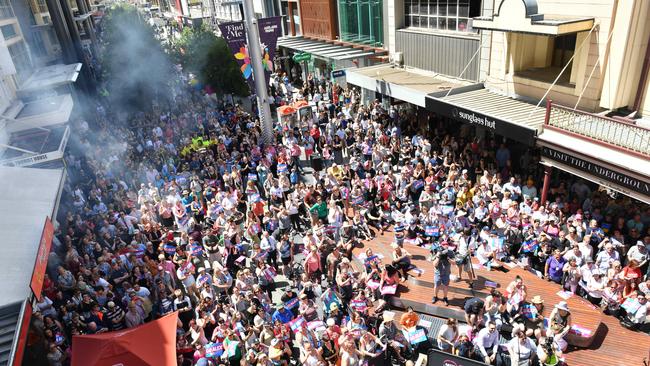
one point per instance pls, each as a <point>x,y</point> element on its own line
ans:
<point>255,52</point>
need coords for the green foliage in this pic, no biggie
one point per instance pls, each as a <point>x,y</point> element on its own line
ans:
<point>208,57</point>
<point>136,69</point>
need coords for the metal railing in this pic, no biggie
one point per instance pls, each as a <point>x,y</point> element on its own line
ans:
<point>608,130</point>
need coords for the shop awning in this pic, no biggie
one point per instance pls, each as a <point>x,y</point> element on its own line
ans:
<point>51,77</point>
<point>409,85</point>
<point>522,16</point>
<point>153,343</point>
<point>515,119</point>
<point>613,168</point>
<point>323,49</point>
<point>27,197</point>
<point>35,132</point>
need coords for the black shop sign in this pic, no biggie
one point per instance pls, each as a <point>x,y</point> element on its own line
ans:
<point>438,358</point>
<point>599,171</point>
<point>498,126</point>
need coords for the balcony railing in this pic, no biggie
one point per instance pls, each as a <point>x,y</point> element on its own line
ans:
<point>621,134</point>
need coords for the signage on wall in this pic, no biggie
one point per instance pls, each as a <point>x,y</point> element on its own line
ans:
<point>338,73</point>
<point>500,127</point>
<point>438,358</point>
<point>599,171</point>
<point>42,256</point>
<point>302,56</point>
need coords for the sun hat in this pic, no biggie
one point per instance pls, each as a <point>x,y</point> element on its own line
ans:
<point>537,300</point>
<point>388,316</point>
<point>562,305</point>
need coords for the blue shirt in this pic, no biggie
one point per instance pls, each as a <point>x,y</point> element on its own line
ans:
<point>555,268</point>
<point>284,317</point>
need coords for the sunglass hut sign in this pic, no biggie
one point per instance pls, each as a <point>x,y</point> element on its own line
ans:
<point>473,118</point>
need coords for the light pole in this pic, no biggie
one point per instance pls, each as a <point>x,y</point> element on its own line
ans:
<point>255,53</point>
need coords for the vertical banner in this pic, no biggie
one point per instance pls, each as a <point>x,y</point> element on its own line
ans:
<point>270,29</point>
<point>235,35</point>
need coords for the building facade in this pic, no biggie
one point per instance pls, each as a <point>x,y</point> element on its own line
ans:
<point>568,80</point>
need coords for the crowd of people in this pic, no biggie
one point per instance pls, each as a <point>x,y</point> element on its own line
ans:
<point>184,208</point>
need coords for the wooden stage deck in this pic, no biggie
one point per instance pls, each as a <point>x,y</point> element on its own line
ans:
<point>611,344</point>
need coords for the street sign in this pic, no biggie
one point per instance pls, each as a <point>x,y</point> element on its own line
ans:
<point>303,56</point>
<point>338,73</point>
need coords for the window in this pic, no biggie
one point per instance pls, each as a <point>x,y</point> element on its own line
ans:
<point>42,6</point>
<point>447,15</point>
<point>6,11</point>
<point>563,48</point>
<point>8,31</point>
<point>21,59</point>
<point>361,21</point>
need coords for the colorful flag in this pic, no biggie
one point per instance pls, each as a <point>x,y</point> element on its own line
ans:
<point>529,311</point>
<point>234,33</point>
<point>389,289</point>
<point>417,336</point>
<point>270,29</point>
<point>432,231</point>
<point>296,324</point>
<point>529,246</point>
<point>359,305</point>
<point>372,284</point>
<point>292,303</point>
<point>213,350</point>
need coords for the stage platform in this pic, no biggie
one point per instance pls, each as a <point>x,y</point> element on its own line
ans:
<point>604,341</point>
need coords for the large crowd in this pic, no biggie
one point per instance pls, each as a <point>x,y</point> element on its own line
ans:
<point>183,208</point>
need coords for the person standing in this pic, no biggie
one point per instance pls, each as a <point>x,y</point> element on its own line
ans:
<point>441,274</point>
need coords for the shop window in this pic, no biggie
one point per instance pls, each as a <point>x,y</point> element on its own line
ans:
<point>361,21</point>
<point>444,15</point>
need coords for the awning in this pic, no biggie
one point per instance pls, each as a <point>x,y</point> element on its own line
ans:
<point>615,169</point>
<point>39,113</point>
<point>323,49</point>
<point>521,16</point>
<point>153,343</point>
<point>51,77</point>
<point>82,17</point>
<point>35,132</point>
<point>409,85</point>
<point>27,197</point>
<point>513,118</point>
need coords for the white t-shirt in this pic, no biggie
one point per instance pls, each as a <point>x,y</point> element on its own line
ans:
<point>448,334</point>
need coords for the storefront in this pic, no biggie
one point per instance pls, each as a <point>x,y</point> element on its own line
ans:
<point>512,118</point>
<point>615,168</point>
<point>325,56</point>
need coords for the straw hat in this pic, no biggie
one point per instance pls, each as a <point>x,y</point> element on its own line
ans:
<point>388,316</point>
<point>537,300</point>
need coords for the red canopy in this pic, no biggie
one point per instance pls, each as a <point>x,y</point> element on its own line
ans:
<point>286,109</point>
<point>300,104</point>
<point>153,343</point>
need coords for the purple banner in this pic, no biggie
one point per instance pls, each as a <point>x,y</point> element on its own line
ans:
<point>270,29</point>
<point>235,35</point>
